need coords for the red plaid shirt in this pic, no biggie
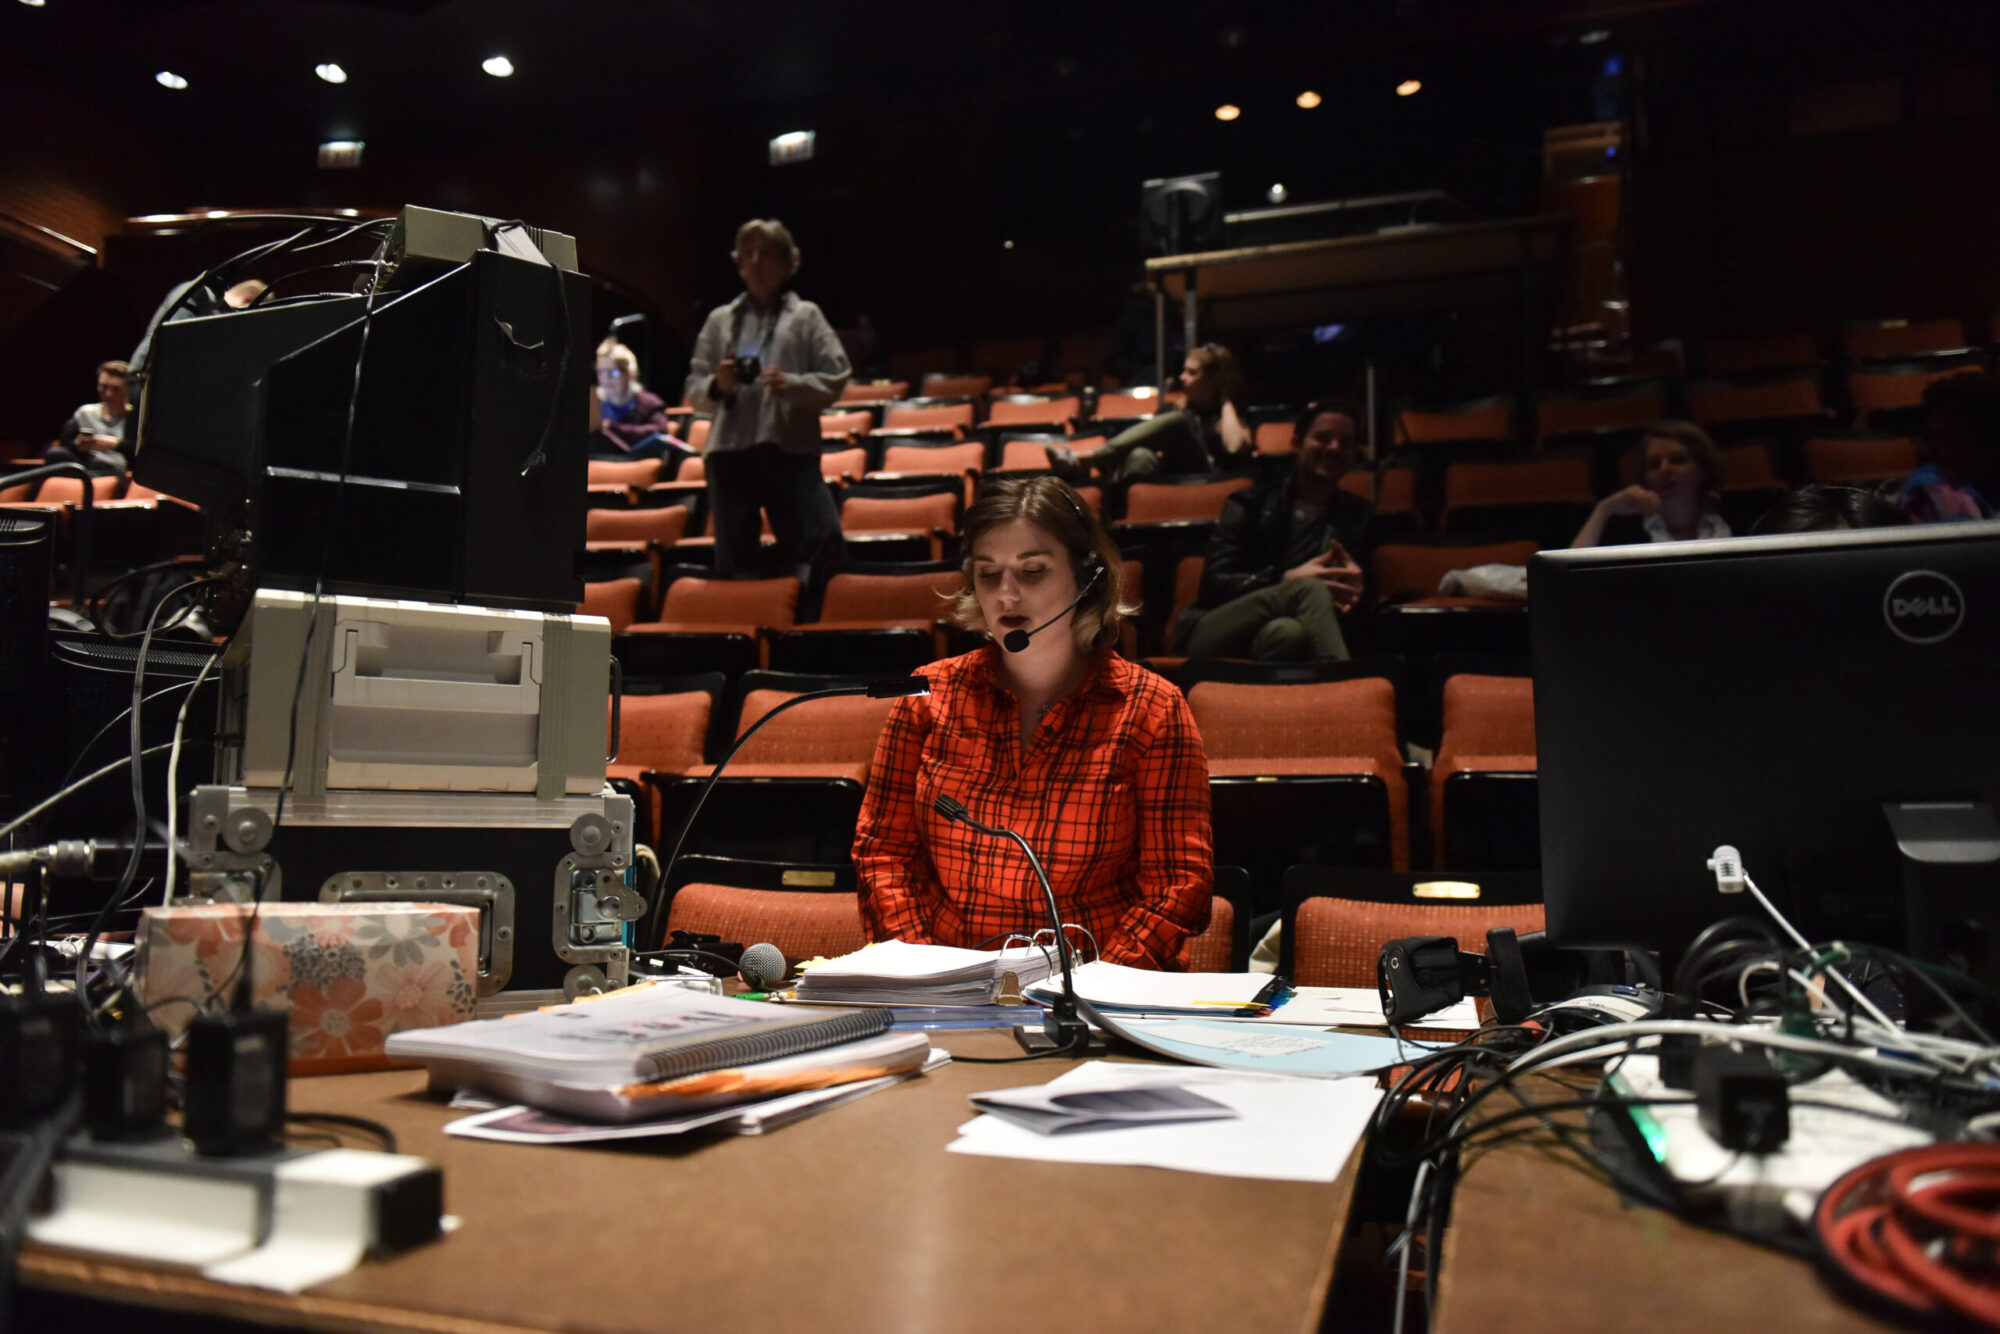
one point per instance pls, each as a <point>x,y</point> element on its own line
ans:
<point>1111,792</point>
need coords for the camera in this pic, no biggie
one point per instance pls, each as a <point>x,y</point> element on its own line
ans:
<point>748,369</point>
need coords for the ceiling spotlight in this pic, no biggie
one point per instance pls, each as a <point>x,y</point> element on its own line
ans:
<point>166,78</point>
<point>338,153</point>
<point>1228,111</point>
<point>34,4</point>
<point>498,66</point>
<point>331,72</point>
<point>1308,99</point>
<point>1408,87</point>
<point>1277,194</point>
<point>1594,36</point>
<point>1006,245</point>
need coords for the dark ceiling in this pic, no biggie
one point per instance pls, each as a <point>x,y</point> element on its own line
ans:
<point>591,71</point>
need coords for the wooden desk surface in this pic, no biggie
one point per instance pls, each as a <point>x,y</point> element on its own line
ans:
<point>856,1219</point>
<point>1536,1244</point>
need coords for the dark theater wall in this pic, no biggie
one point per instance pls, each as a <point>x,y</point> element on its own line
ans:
<point>70,173</point>
<point>1794,176</point>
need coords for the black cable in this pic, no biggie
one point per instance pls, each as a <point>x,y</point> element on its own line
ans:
<point>243,965</point>
<point>105,730</point>
<point>538,457</point>
<point>1075,1047</point>
<point>61,795</point>
<point>382,1133</point>
<point>130,874</point>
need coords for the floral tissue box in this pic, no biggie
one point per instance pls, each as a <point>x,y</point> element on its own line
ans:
<point>349,973</point>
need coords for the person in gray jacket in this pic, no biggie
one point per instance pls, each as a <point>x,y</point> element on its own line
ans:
<point>764,365</point>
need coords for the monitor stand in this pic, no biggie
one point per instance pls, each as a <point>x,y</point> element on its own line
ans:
<point>1950,852</point>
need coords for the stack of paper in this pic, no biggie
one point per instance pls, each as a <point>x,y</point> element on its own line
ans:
<point>1114,987</point>
<point>893,972</point>
<point>645,1052</point>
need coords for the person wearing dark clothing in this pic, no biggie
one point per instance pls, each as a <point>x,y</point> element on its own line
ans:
<point>1284,562</point>
<point>765,365</point>
<point>1208,435</point>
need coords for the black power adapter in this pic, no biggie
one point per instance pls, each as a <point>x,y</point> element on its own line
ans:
<point>1743,1101</point>
<point>40,1036</point>
<point>235,1097</point>
<point>125,1081</point>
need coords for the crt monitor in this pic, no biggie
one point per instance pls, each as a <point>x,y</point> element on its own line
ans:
<point>1772,693</point>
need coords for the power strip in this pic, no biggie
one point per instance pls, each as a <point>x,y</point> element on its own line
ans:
<point>1763,1190</point>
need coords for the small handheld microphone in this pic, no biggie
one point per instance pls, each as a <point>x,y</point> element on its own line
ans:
<point>1017,640</point>
<point>763,967</point>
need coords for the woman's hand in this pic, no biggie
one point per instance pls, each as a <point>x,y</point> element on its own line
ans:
<point>1634,499</point>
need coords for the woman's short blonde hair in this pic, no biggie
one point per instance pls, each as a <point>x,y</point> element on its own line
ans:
<point>767,232</point>
<point>1052,505</point>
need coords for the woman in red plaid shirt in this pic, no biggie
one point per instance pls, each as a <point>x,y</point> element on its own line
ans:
<point>1092,759</point>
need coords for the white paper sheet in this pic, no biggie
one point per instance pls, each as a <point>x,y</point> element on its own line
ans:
<point>1360,1007</point>
<point>1287,1129</point>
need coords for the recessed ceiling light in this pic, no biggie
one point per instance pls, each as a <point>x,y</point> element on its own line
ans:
<point>1228,111</point>
<point>1409,87</point>
<point>336,153</point>
<point>1277,194</point>
<point>331,72</point>
<point>1308,99</point>
<point>498,66</point>
<point>1594,36</point>
<point>166,78</point>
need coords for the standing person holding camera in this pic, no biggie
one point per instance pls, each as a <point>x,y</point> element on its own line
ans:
<point>764,365</point>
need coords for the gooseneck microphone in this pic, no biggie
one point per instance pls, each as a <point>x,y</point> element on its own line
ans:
<point>1017,640</point>
<point>890,687</point>
<point>1068,1033</point>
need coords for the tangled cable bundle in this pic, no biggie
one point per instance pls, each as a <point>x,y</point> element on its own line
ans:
<point>1919,1230</point>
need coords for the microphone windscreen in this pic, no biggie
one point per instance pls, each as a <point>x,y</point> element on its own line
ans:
<point>763,967</point>
<point>1015,641</point>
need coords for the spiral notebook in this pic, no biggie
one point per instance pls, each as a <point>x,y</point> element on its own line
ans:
<point>637,1035</point>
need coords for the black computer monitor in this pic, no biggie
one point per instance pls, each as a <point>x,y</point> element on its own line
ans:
<point>1772,693</point>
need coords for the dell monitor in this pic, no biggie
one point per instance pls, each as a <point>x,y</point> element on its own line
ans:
<point>1824,702</point>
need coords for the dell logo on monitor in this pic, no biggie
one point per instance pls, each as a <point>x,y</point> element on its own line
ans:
<point>1924,607</point>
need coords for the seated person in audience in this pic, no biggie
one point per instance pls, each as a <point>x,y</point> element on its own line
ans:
<point>1825,509</point>
<point>1675,500</point>
<point>94,435</point>
<point>1208,435</point>
<point>1960,446</point>
<point>634,418</point>
<point>1092,759</point>
<point>1284,562</point>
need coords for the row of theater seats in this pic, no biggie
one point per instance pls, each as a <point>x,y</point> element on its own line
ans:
<point>130,525</point>
<point>1303,773</point>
